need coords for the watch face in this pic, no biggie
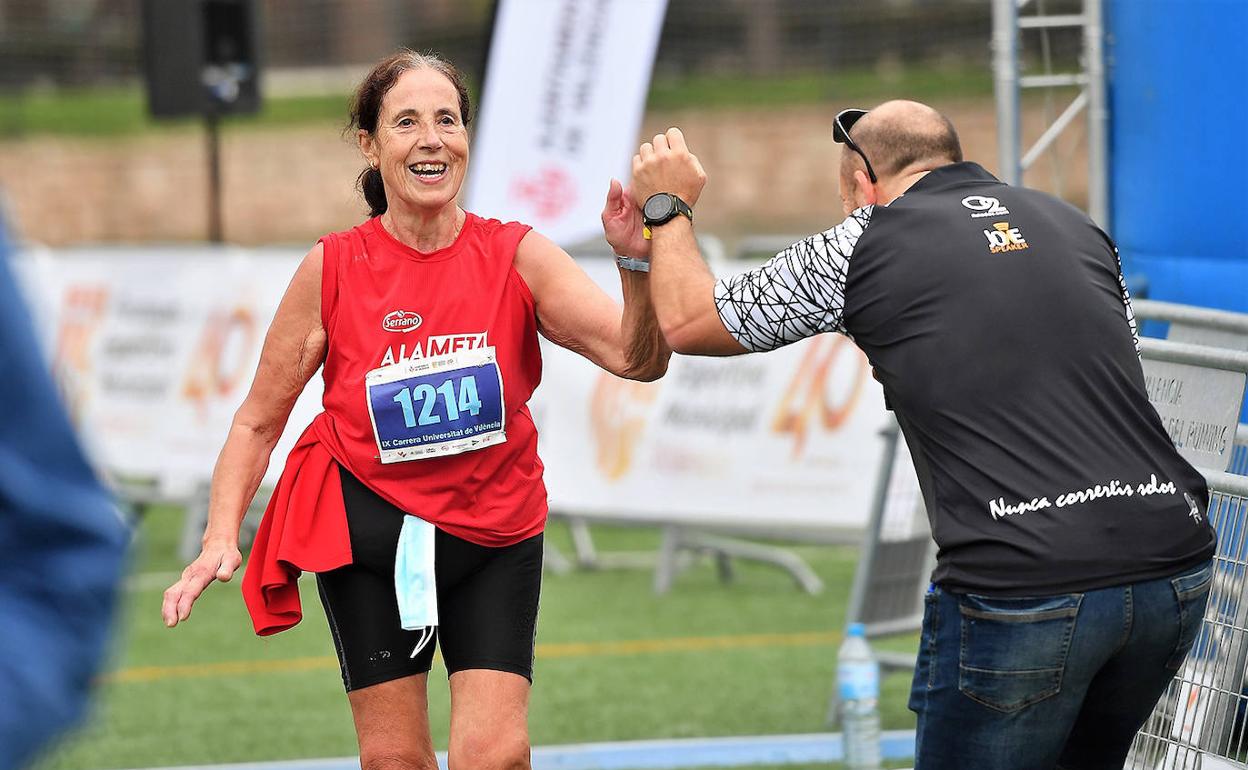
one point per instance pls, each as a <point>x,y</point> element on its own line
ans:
<point>659,208</point>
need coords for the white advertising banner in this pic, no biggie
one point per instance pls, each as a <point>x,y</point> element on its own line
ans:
<point>154,350</point>
<point>784,442</point>
<point>565,90</point>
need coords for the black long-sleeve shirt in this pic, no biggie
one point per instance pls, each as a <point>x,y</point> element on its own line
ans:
<point>998,322</point>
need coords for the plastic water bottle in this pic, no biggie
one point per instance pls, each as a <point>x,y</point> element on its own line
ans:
<point>858,683</point>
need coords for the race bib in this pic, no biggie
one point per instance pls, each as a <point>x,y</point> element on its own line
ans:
<point>436,406</point>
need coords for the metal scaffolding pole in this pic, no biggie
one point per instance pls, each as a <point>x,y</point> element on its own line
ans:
<point>1005,68</point>
<point>1098,115</point>
<point>1007,26</point>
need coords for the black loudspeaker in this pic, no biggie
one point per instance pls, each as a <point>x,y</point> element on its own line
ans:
<point>201,57</point>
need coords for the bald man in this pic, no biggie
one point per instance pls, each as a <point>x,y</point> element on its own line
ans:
<point>1074,554</point>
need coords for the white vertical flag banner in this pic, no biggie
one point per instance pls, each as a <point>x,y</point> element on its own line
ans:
<point>565,90</point>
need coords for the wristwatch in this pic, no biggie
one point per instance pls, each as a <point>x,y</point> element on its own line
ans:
<point>660,209</point>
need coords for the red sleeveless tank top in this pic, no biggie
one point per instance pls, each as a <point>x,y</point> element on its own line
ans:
<point>382,303</point>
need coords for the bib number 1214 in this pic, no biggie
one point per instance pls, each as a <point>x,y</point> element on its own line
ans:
<point>436,407</point>
<point>454,400</point>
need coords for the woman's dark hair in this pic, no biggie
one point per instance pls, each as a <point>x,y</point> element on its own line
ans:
<point>366,108</point>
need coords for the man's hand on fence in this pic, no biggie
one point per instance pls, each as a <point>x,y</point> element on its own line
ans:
<point>217,561</point>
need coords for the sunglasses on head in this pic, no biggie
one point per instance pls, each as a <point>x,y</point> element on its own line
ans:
<point>845,120</point>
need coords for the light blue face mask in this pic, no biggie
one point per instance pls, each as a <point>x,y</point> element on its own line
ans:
<point>414,583</point>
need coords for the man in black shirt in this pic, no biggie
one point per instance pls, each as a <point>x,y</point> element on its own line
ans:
<point>1074,555</point>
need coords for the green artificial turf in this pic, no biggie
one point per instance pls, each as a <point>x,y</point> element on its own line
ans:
<point>615,662</point>
<point>118,111</point>
<point>111,112</point>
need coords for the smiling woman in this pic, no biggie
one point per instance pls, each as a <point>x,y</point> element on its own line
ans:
<point>405,147</point>
<point>417,495</point>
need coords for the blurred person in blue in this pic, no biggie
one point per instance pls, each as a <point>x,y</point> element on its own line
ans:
<point>61,548</point>
<point>1074,560</point>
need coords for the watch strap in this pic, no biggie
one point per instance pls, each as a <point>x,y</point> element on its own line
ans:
<point>635,265</point>
<point>682,207</point>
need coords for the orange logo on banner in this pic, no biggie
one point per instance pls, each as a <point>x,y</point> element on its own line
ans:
<point>618,411</point>
<point>208,376</point>
<point>81,314</point>
<point>824,391</point>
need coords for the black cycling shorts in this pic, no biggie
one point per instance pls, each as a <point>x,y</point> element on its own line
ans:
<point>487,600</point>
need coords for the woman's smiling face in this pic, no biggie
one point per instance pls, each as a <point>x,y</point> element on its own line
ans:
<point>421,144</point>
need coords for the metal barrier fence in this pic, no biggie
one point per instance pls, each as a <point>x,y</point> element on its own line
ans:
<point>898,554</point>
<point>1202,713</point>
<point>1200,720</point>
<point>1197,325</point>
<point>1204,326</point>
<point>895,562</point>
<point>1239,455</point>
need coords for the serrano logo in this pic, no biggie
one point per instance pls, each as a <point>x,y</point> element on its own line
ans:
<point>984,206</point>
<point>401,321</point>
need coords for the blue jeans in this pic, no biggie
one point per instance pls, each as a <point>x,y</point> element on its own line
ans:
<point>1050,682</point>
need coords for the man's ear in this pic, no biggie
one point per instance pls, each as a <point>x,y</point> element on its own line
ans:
<point>870,194</point>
